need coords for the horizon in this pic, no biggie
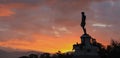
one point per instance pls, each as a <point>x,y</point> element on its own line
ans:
<point>51,26</point>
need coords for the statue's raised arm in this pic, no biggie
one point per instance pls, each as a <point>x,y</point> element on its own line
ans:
<point>83,22</point>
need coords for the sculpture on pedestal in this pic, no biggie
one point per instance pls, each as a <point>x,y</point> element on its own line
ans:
<point>85,48</point>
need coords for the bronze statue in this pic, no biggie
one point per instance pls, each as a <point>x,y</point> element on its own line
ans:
<point>83,23</point>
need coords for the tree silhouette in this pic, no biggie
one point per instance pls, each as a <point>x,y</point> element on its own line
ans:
<point>33,56</point>
<point>24,57</point>
<point>113,50</point>
<point>45,55</point>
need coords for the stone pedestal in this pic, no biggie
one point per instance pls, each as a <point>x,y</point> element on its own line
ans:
<point>85,48</point>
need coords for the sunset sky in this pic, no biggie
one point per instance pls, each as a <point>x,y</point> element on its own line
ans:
<point>52,25</point>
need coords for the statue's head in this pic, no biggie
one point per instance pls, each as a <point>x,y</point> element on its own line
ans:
<point>82,13</point>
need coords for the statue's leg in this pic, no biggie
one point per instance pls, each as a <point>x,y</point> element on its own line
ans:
<point>84,30</point>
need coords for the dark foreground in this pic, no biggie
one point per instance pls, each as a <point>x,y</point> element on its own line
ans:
<point>111,51</point>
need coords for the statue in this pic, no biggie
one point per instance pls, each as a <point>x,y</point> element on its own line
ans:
<point>83,23</point>
<point>87,47</point>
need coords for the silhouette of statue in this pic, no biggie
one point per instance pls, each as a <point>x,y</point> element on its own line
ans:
<point>83,23</point>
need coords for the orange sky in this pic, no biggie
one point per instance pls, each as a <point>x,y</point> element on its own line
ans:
<point>45,43</point>
<point>52,25</point>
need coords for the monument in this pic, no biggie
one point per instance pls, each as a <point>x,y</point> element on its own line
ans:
<point>85,49</point>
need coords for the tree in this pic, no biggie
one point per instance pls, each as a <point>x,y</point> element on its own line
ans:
<point>24,57</point>
<point>114,49</point>
<point>45,55</point>
<point>33,56</point>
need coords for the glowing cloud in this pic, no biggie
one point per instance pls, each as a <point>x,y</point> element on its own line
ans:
<point>101,25</point>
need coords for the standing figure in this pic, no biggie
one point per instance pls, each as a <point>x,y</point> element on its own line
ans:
<point>83,23</point>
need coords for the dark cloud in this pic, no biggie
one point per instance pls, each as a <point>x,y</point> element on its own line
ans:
<point>20,1</point>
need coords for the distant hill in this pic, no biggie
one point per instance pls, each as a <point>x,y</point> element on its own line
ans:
<point>15,54</point>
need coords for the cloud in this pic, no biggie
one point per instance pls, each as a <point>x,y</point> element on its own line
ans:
<point>5,11</point>
<point>31,17</point>
<point>101,25</point>
<point>22,19</point>
<point>60,31</point>
<point>106,11</point>
<point>38,17</point>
